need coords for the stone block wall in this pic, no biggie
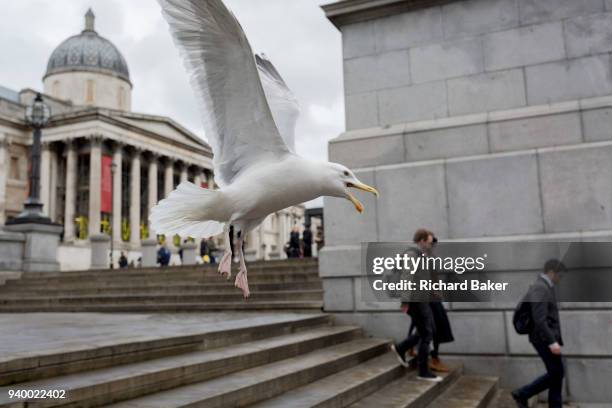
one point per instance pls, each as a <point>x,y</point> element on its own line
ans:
<point>470,56</point>
<point>480,120</point>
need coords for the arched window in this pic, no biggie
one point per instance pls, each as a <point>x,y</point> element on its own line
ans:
<point>89,91</point>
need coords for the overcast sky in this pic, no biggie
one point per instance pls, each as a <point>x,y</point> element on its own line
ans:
<point>294,34</point>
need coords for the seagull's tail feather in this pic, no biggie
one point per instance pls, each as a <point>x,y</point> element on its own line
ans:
<point>187,212</point>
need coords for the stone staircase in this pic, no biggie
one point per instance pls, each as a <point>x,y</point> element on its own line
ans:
<point>276,350</point>
<point>277,285</point>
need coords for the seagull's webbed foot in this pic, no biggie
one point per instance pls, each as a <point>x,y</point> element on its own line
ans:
<point>242,282</point>
<point>225,266</point>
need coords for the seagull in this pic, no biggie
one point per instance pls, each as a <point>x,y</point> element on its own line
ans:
<point>249,117</point>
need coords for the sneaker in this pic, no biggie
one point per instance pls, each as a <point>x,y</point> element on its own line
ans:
<point>400,357</point>
<point>520,402</point>
<point>429,377</point>
<point>436,365</point>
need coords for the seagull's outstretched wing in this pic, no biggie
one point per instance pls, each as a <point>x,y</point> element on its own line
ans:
<point>283,103</point>
<point>219,59</point>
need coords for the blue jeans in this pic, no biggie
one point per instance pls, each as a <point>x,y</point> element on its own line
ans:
<point>551,381</point>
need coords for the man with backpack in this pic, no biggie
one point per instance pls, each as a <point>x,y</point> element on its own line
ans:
<point>538,316</point>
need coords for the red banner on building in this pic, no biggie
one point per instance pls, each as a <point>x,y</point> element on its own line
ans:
<point>106,185</point>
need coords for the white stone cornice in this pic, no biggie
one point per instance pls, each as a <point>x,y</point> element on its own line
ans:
<point>354,11</point>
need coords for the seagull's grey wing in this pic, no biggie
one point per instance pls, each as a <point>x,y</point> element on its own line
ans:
<point>283,103</point>
<point>219,59</point>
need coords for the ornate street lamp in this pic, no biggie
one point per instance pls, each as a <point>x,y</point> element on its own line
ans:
<point>112,212</point>
<point>37,116</point>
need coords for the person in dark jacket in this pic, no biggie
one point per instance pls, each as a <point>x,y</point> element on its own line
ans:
<point>294,243</point>
<point>420,312</point>
<point>307,238</point>
<point>163,255</point>
<point>123,261</point>
<point>545,336</point>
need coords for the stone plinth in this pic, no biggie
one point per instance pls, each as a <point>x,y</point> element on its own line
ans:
<point>189,253</point>
<point>149,253</point>
<point>40,246</point>
<point>100,247</point>
<point>11,250</point>
<point>493,122</point>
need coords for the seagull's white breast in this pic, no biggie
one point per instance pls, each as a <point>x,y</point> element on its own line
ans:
<point>267,188</point>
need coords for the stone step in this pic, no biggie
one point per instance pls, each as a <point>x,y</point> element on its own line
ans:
<point>154,290</point>
<point>293,306</point>
<point>96,353</point>
<point>469,391</point>
<point>100,387</point>
<point>159,280</point>
<point>409,392</point>
<point>503,399</point>
<point>161,298</point>
<point>270,266</point>
<point>264,382</point>
<point>343,388</point>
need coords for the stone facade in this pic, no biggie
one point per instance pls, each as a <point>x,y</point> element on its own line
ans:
<point>88,89</point>
<point>480,120</point>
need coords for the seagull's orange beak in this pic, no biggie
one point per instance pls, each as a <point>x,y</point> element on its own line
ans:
<point>354,200</point>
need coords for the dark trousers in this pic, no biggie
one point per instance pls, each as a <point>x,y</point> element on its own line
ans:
<point>435,351</point>
<point>551,381</point>
<point>422,319</point>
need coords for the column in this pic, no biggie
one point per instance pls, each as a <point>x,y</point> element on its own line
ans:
<point>184,176</point>
<point>135,199</point>
<point>4,171</point>
<point>71,174</point>
<point>204,178</point>
<point>152,189</point>
<point>211,180</point>
<point>168,176</point>
<point>95,179</point>
<point>197,180</point>
<point>117,191</point>
<point>45,178</point>
<point>53,186</point>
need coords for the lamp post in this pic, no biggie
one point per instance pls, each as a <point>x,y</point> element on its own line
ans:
<point>112,213</point>
<point>37,116</point>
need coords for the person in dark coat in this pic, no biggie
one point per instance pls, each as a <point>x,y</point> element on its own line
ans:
<point>163,255</point>
<point>443,333</point>
<point>545,336</point>
<point>307,239</point>
<point>294,243</point>
<point>203,248</point>
<point>420,313</point>
<point>123,261</point>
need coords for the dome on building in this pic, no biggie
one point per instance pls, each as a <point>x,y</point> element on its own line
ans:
<point>88,51</point>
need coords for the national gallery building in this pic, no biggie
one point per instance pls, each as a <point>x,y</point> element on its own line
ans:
<point>87,86</point>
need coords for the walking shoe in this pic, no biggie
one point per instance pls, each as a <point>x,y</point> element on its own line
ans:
<point>400,357</point>
<point>429,377</point>
<point>520,402</point>
<point>436,365</point>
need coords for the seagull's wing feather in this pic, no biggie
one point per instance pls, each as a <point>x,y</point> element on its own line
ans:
<point>283,103</point>
<point>219,59</point>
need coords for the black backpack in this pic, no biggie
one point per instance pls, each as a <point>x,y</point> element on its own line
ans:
<point>522,321</point>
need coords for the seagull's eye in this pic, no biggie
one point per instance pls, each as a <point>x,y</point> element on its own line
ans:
<point>346,173</point>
